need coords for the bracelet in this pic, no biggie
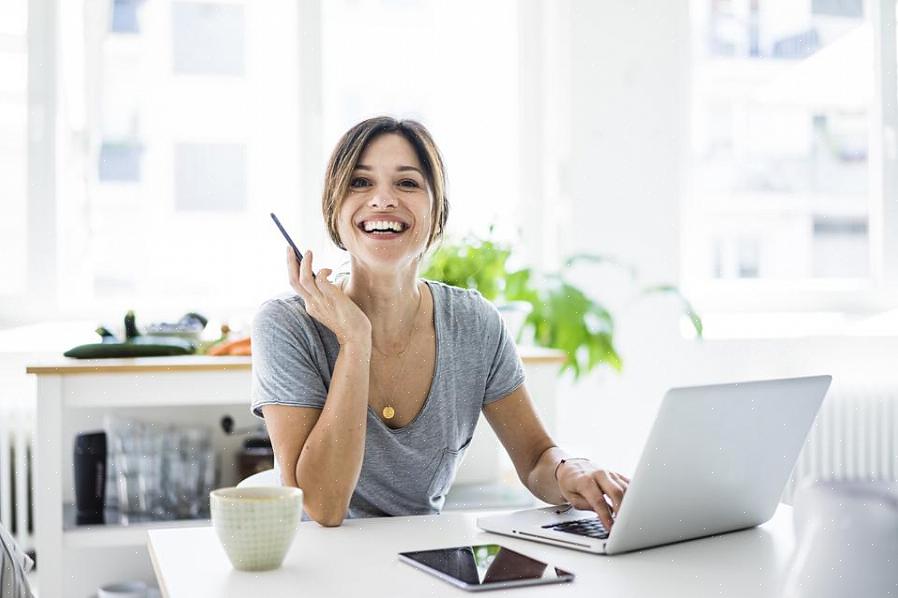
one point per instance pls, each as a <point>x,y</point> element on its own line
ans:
<point>563,461</point>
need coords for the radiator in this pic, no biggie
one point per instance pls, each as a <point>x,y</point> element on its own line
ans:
<point>16,429</point>
<point>855,437</point>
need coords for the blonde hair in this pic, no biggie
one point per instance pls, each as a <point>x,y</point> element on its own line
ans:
<point>345,158</point>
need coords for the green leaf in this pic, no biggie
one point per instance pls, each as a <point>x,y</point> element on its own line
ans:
<point>563,316</point>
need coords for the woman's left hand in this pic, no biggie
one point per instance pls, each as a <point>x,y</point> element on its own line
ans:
<point>586,487</point>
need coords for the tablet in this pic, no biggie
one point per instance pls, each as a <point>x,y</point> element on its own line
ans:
<point>485,567</point>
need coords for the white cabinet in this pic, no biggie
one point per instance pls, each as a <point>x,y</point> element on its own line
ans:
<point>74,395</point>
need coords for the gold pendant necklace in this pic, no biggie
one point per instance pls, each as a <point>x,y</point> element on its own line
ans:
<point>388,412</point>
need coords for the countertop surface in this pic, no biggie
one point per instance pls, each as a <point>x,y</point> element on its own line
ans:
<point>65,365</point>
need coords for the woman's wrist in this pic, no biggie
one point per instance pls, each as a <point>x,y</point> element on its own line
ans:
<point>565,461</point>
<point>359,338</point>
<point>360,346</point>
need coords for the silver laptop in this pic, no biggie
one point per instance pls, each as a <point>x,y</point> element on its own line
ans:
<point>717,460</point>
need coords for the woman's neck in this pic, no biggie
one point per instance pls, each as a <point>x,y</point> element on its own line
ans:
<point>390,301</point>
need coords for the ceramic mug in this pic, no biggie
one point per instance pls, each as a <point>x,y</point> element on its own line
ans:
<point>256,526</point>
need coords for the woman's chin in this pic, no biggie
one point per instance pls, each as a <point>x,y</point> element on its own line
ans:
<point>390,247</point>
<point>385,257</point>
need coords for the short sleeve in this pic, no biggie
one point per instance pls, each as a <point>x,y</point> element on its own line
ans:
<point>287,370</point>
<point>506,372</point>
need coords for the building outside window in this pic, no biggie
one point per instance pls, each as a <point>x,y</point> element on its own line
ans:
<point>783,170</point>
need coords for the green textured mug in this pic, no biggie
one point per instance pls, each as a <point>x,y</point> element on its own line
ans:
<point>256,525</point>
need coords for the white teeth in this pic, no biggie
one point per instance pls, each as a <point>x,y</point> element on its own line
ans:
<point>383,225</point>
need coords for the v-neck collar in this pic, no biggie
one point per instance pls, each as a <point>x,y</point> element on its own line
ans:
<point>437,368</point>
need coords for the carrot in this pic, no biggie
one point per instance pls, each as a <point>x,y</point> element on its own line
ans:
<point>241,346</point>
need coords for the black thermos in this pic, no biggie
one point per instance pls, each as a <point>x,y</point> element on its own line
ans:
<point>90,476</point>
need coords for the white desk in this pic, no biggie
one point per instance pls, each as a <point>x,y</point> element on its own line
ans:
<point>359,559</point>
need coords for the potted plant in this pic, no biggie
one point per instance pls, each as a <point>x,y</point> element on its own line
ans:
<point>557,313</point>
<point>546,309</point>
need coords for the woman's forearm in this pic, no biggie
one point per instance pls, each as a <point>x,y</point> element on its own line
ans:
<point>331,460</point>
<point>541,481</point>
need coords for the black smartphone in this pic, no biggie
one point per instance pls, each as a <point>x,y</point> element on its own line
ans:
<point>286,236</point>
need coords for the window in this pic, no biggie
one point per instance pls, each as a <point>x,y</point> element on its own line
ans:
<point>181,124</point>
<point>13,145</point>
<point>208,39</point>
<point>178,132</point>
<point>210,177</point>
<point>783,205</point>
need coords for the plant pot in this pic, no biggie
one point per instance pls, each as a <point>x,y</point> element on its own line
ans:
<point>514,314</point>
<point>484,458</point>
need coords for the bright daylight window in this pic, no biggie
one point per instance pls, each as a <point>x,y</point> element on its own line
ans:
<point>190,135</point>
<point>183,123</point>
<point>13,148</point>
<point>780,190</point>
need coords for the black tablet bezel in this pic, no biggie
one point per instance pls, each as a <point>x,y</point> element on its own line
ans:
<point>562,576</point>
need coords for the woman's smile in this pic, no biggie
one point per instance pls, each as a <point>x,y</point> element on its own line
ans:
<point>383,228</point>
<point>388,203</point>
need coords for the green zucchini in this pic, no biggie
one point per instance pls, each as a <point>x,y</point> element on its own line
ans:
<point>134,345</point>
<point>140,346</point>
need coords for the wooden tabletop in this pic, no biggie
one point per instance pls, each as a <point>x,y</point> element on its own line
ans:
<point>65,365</point>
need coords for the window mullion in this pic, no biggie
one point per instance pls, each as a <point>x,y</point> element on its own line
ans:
<point>883,218</point>
<point>43,94</point>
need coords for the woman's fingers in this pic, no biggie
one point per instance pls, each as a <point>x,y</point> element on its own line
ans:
<point>292,267</point>
<point>578,502</point>
<point>327,288</point>
<point>307,277</point>
<point>293,275</point>
<point>623,481</point>
<point>610,488</point>
<point>590,490</point>
<point>595,501</point>
<point>322,279</point>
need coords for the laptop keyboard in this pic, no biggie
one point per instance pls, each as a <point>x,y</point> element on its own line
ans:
<point>591,527</point>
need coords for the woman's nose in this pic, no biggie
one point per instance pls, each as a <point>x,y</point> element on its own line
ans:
<point>382,198</point>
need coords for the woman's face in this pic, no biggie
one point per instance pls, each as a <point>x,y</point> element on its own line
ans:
<point>385,218</point>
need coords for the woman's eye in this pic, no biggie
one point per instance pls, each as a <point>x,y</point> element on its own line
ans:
<point>408,183</point>
<point>359,182</point>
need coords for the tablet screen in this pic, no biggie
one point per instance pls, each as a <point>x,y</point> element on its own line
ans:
<point>485,565</point>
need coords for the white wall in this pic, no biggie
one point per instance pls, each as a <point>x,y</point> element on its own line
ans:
<point>629,99</point>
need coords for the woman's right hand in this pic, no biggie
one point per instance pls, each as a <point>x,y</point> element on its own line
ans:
<point>326,302</point>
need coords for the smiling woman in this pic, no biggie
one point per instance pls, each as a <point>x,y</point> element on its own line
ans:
<point>371,387</point>
<point>411,165</point>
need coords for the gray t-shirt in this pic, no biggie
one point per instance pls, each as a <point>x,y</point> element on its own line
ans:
<point>406,471</point>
